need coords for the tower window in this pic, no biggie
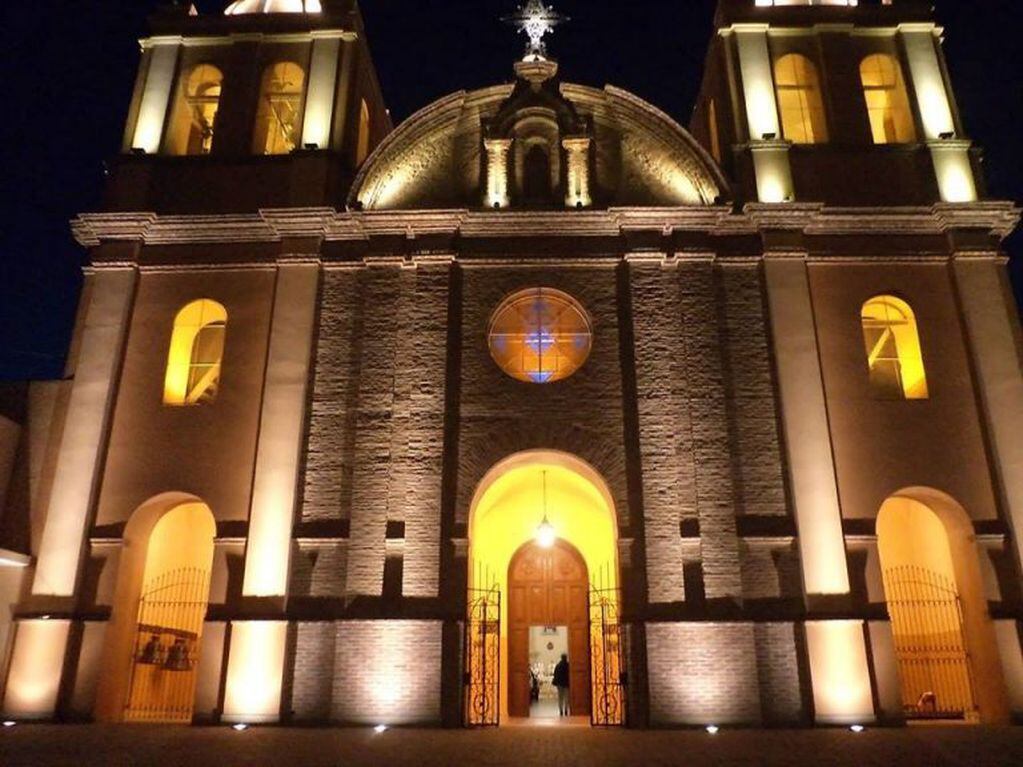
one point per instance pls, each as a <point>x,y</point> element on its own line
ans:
<point>894,356</point>
<point>279,118</point>
<point>196,354</point>
<point>195,113</point>
<point>540,335</point>
<point>799,100</point>
<point>891,120</point>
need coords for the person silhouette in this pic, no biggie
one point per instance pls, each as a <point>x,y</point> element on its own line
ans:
<point>561,681</point>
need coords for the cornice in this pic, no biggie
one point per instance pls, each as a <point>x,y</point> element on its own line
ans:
<point>998,219</point>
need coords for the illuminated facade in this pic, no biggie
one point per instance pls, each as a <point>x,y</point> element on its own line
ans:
<point>357,416</point>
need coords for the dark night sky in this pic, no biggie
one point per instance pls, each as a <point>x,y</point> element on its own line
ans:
<point>69,68</point>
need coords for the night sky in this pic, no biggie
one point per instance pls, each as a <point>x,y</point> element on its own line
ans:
<point>69,69</point>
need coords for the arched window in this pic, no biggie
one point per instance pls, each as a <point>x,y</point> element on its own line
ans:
<point>196,353</point>
<point>279,118</point>
<point>891,120</point>
<point>894,356</point>
<point>362,143</point>
<point>195,113</point>
<point>799,100</point>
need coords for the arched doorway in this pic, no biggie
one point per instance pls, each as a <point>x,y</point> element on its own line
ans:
<point>507,510</point>
<point>548,593</point>
<point>944,640</point>
<point>152,652</point>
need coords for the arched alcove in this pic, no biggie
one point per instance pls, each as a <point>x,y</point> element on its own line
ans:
<point>944,637</point>
<point>153,637</point>
<point>510,505</point>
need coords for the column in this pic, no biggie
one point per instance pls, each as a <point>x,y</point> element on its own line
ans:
<point>669,475</point>
<point>38,655</point>
<point>424,444</point>
<point>282,424</point>
<point>950,154</point>
<point>320,96</point>
<point>577,194</point>
<point>993,328</point>
<point>497,172</point>
<point>837,648</point>
<point>152,114</point>
<point>110,294</point>
<point>770,151</point>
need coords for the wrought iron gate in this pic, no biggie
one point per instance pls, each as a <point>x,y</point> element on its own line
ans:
<point>607,659</point>
<point>930,644</point>
<point>166,650</point>
<point>482,658</point>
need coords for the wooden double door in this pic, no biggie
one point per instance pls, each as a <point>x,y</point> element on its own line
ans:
<point>548,587</point>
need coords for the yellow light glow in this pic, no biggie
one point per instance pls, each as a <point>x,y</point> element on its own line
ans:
<point>195,113</point>
<point>892,341</point>
<point>196,352</point>
<point>279,118</point>
<point>255,671</point>
<point>774,173</point>
<point>155,99</point>
<point>838,668</point>
<point>799,100</point>
<point>954,171</point>
<point>928,81</point>
<point>891,119</point>
<point>916,558</point>
<point>33,682</point>
<point>757,81</point>
<point>507,505</point>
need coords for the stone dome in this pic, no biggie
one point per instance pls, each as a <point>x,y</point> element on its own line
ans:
<point>240,7</point>
<point>640,157</point>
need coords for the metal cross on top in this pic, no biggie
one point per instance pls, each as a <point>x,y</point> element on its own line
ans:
<point>536,20</point>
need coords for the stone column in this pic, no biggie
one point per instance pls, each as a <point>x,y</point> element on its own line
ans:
<point>994,334</point>
<point>951,156</point>
<point>497,172</point>
<point>152,114</point>
<point>837,648</point>
<point>577,192</point>
<point>281,431</point>
<point>381,288</point>
<point>669,483</point>
<point>110,294</point>
<point>770,151</point>
<point>322,91</point>
<point>424,443</point>
<point>37,659</point>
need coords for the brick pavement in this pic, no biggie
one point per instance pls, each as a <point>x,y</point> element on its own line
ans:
<point>83,746</point>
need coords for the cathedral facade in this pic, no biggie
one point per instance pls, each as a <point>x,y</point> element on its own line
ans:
<point>367,424</point>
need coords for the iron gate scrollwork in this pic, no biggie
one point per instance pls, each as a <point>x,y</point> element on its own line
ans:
<point>607,658</point>
<point>930,644</point>
<point>166,650</point>
<point>482,658</point>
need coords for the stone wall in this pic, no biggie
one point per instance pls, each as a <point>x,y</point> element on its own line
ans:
<point>724,673</point>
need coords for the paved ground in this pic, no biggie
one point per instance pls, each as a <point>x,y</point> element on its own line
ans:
<point>43,746</point>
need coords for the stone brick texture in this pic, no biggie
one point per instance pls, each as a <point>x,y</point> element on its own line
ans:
<point>387,672</point>
<point>409,412</point>
<point>723,673</point>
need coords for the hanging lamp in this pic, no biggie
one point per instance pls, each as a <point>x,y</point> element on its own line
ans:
<point>545,533</point>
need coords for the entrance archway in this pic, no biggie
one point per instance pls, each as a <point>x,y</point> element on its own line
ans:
<point>160,602</point>
<point>548,591</point>
<point>507,510</point>
<point>944,639</point>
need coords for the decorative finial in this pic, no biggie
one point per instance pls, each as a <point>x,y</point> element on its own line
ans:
<point>536,20</point>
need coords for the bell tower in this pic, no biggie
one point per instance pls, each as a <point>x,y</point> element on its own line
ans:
<point>274,103</point>
<point>834,101</point>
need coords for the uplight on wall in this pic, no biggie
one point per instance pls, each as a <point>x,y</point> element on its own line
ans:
<point>953,170</point>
